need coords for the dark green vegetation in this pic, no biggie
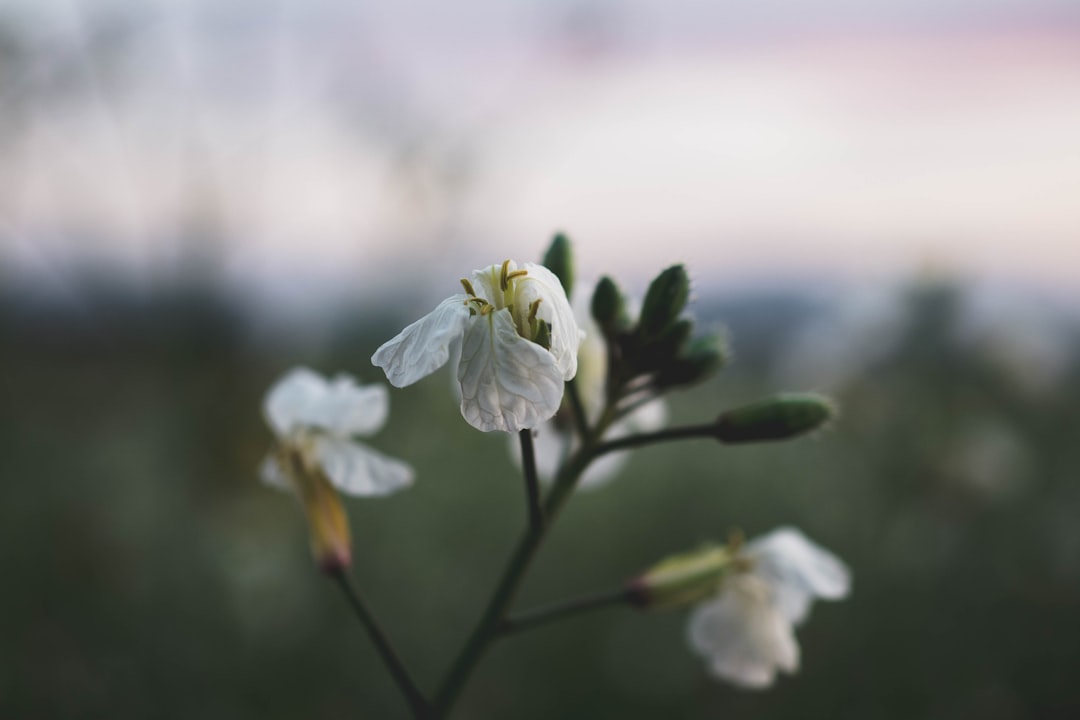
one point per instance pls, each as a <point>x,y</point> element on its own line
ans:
<point>149,574</point>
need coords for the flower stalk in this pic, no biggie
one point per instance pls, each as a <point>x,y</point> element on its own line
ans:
<point>415,699</point>
<point>529,619</point>
<point>532,482</point>
<point>492,621</point>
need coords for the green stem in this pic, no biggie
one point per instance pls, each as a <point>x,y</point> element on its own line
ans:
<point>580,419</point>
<point>561,610</point>
<point>417,703</point>
<point>686,432</point>
<point>532,482</point>
<point>487,629</point>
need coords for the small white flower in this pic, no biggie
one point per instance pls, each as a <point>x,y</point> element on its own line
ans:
<point>517,340</point>
<point>746,632</point>
<point>314,421</point>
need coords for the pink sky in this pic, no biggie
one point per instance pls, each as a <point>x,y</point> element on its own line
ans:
<point>841,153</point>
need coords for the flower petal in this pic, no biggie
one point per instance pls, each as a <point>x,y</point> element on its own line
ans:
<point>797,571</point>
<point>356,469</point>
<point>352,409</point>
<point>742,637</point>
<point>485,282</point>
<point>424,346</point>
<point>271,473</point>
<point>507,382</point>
<point>289,401</point>
<point>542,284</point>
<point>304,399</point>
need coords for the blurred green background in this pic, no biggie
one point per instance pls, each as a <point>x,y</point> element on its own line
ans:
<point>149,574</point>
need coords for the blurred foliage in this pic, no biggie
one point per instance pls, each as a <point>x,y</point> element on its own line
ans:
<point>149,574</point>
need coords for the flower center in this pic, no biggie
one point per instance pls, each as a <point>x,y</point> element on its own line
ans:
<point>504,282</point>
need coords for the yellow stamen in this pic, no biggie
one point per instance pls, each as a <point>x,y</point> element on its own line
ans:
<point>468,287</point>
<point>534,307</point>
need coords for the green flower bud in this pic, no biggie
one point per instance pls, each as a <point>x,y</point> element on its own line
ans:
<point>683,579</point>
<point>659,353</point>
<point>776,418</point>
<point>664,300</point>
<point>702,359</point>
<point>608,306</point>
<point>560,260</point>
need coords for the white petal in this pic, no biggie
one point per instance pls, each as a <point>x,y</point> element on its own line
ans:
<point>542,284</point>
<point>742,637</point>
<point>423,347</point>
<point>485,282</point>
<point>270,472</point>
<point>289,401</point>
<point>356,469</point>
<point>303,398</point>
<point>507,382</point>
<point>592,367</point>
<point>351,409</point>
<point>797,571</point>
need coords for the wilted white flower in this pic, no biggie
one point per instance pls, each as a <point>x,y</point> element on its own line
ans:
<point>517,340</point>
<point>746,631</point>
<point>314,421</point>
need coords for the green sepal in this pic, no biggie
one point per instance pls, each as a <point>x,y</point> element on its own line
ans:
<point>683,579</point>
<point>542,334</point>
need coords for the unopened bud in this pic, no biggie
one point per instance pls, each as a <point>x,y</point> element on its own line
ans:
<point>683,579</point>
<point>776,418</point>
<point>660,352</point>
<point>608,306</point>
<point>331,544</point>
<point>702,359</point>
<point>328,524</point>
<point>560,260</point>
<point>664,300</point>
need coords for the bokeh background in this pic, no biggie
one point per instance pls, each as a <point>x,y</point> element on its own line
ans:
<point>875,200</point>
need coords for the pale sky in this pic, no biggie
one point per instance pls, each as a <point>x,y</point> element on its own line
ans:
<point>332,146</point>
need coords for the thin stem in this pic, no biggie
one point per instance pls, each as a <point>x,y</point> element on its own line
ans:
<point>580,419</point>
<point>532,483</point>
<point>417,703</point>
<point>686,432</point>
<point>562,610</point>
<point>487,629</point>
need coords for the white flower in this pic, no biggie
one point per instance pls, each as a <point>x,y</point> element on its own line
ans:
<point>313,421</point>
<point>745,632</point>
<point>518,345</point>
<point>557,438</point>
